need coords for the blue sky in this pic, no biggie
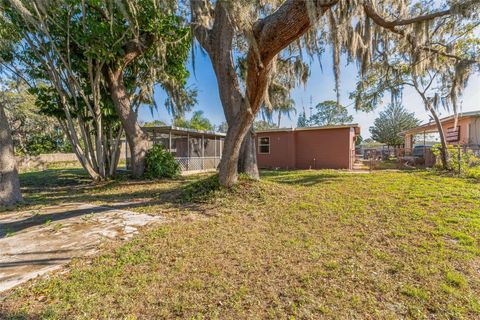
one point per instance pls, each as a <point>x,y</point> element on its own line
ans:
<point>320,87</point>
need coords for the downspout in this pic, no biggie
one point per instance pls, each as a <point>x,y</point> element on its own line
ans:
<point>294,147</point>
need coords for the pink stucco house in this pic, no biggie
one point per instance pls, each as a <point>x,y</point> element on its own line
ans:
<point>331,147</point>
<point>466,133</point>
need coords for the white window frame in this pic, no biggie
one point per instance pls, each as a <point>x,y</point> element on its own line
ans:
<point>260,145</point>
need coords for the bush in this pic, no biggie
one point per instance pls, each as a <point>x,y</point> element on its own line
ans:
<point>463,162</point>
<point>39,144</point>
<point>160,164</point>
<point>474,173</point>
<point>44,143</point>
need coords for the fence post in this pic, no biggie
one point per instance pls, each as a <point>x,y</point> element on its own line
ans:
<point>215,157</point>
<point>203,152</point>
<point>459,160</point>
<point>188,151</point>
<point>126,154</point>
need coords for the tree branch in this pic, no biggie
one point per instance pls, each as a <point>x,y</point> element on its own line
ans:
<point>271,35</point>
<point>392,26</point>
<point>288,23</point>
<point>217,41</point>
<point>201,11</point>
<point>136,47</point>
<point>404,22</point>
<point>101,11</point>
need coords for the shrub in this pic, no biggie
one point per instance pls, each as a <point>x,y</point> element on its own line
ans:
<point>463,162</point>
<point>160,163</point>
<point>474,173</point>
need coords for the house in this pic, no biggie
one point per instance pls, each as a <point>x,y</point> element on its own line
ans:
<point>194,150</point>
<point>331,147</point>
<point>466,133</point>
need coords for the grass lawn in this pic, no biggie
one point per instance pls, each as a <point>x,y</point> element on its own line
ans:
<point>297,245</point>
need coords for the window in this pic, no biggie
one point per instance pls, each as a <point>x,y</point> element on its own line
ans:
<point>264,145</point>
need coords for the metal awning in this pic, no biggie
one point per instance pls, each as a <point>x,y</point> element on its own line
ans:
<point>426,128</point>
<point>182,131</point>
<point>431,127</point>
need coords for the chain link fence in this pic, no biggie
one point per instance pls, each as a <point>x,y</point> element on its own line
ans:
<point>198,163</point>
<point>463,160</point>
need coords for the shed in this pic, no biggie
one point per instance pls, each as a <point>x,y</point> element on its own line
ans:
<point>326,147</point>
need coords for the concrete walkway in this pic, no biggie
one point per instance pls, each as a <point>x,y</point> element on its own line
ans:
<point>35,242</point>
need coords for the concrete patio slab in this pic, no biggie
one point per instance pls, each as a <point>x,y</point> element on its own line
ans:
<point>35,242</point>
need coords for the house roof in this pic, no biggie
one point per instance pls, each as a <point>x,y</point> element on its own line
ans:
<point>431,127</point>
<point>342,126</point>
<point>180,130</point>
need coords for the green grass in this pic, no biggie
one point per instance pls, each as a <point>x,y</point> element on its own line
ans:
<point>296,245</point>
<point>57,186</point>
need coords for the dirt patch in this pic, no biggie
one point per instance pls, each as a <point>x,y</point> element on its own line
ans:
<point>35,242</point>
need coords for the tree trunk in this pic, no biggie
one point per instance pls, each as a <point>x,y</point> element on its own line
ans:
<point>137,139</point>
<point>279,118</point>
<point>83,158</point>
<point>443,141</point>
<point>228,169</point>
<point>115,153</point>
<point>247,161</point>
<point>271,34</point>
<point>217,42</point>
<point>9,183</point>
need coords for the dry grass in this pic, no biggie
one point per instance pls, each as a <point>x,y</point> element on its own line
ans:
<point>296,245</point>
<point>57,186</point>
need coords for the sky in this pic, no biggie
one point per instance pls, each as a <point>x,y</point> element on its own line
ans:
<point>320,87</point>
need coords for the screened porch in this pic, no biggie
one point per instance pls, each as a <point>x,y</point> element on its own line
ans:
<point>194,150</point>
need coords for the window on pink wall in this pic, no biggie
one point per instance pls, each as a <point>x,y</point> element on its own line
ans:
<point>264,145</point>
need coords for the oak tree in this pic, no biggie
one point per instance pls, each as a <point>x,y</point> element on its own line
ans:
<point>266,29</point>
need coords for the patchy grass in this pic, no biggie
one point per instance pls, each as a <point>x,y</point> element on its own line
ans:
<point>455,279</point>
<point>57,186</point>
<point>200,190</point>
<point>389,165</point>
<point>297,245</point>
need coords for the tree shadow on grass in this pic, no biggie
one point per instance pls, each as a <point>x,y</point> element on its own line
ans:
<point>17,315</point>
<point>190,193</point>
<point>54,178</point>
<point>185,192</point>
<point>52,188</point>
<point>304,178</point>
<point>15,226</point>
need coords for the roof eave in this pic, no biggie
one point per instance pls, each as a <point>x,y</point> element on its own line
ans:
<point>344,126</point>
